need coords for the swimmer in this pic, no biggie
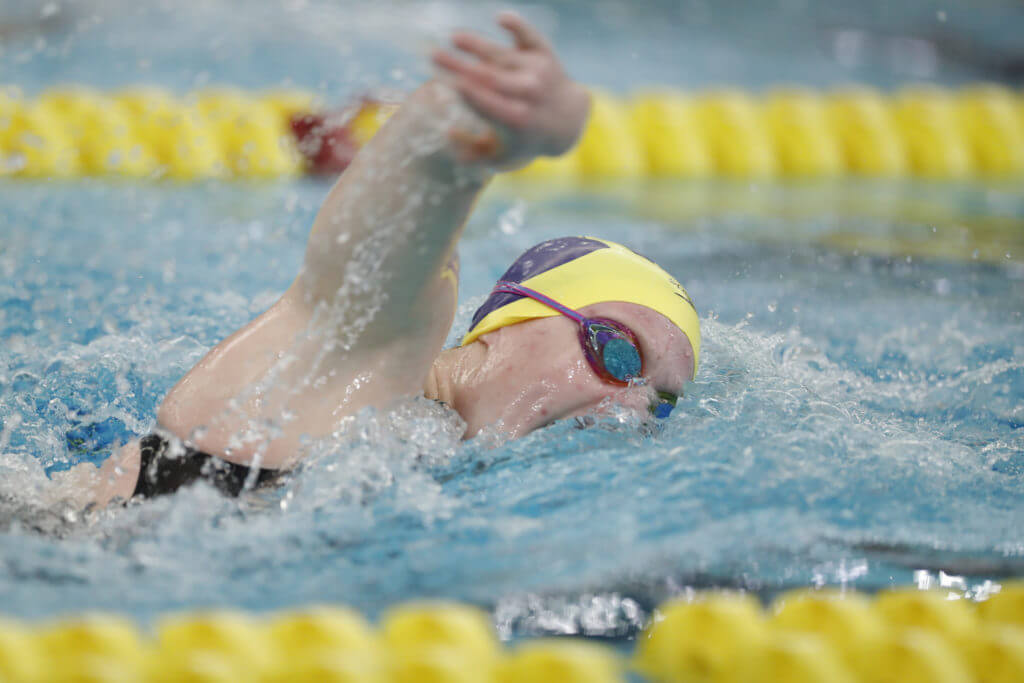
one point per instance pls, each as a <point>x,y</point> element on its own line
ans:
<point>572,323</point>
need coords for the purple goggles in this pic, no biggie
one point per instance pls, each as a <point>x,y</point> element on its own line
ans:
<point>611,348</point>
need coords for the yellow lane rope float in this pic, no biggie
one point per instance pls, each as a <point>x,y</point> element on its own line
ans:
<point>145,132</point>
<point>805,636</point>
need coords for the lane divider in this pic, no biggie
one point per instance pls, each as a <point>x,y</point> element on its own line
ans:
<point>805,636</point>
<point>145,132</point>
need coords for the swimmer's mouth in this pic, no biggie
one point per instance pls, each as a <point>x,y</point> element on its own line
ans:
<point>647,426</point>
<point>584,421</point>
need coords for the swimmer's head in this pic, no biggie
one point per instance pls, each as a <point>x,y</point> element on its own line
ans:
<point>536,367</point>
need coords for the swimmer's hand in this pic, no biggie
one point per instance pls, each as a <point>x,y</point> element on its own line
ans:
<point>523,91</point>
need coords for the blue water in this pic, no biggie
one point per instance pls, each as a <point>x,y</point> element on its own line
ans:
<point>345,46</point>
<point>858,417</point>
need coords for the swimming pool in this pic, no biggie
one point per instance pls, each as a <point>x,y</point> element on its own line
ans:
<point>857,419</point>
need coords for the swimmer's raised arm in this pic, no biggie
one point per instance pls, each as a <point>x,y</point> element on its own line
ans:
<point>394,216</point>
<point>372,306</point>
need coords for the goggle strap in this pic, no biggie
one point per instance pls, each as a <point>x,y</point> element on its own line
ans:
<point>661,411</point>
<point>506,287</point>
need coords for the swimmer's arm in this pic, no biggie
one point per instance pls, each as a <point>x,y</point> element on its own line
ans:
<point>395,214</point>
<point>388,227</point>
<point>371,308</point>
<point>86,484</point>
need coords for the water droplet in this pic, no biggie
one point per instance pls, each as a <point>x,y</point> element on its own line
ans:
<point>512,220</point>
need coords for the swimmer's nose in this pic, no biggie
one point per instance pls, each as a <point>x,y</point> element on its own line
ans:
<point>639,396</point>
<point>636,399</point>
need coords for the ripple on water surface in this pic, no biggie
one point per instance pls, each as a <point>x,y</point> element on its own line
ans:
<point>856,417</point>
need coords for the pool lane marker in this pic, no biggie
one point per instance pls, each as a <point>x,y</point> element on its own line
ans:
<point>225,133</point>
<point>804,636</point>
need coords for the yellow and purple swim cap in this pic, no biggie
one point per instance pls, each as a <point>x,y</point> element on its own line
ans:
<point>578,272</point>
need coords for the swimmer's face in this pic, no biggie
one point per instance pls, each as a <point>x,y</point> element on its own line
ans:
<point>534,373</point>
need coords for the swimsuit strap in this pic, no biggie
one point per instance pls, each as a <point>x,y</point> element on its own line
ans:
<point>161,472</point>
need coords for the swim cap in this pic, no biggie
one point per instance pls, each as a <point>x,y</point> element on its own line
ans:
<point>579,271</point>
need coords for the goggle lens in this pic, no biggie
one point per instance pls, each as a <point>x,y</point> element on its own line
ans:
<point>612,350</point>
<point>663,408</point>
<point>621,359</point>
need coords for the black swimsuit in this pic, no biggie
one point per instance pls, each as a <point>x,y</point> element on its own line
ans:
<point>161,473</point>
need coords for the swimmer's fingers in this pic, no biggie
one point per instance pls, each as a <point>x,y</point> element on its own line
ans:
<point>522,90</point>
<point>475,147</point>
<point>485,50</point>
<point>493,105</point>
<point>525,35</point>
<point>515,83</point>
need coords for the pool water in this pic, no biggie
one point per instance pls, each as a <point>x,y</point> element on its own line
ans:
<point>857,418</point>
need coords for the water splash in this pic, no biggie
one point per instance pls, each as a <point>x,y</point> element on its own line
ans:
<point>863,427</point>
